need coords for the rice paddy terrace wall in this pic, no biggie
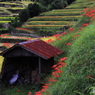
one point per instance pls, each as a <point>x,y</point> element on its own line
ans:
<point>55,21</point>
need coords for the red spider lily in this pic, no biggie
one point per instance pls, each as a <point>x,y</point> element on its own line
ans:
<point>52,80</point>
<point>93,17</point>
<point>18,90</point>
<point>57,76</point>
<point>68,44</point>
<point>58,71</point>
<point>90,13</point>
<point>45,87</point>
<point>89,76</point>
<point>64,33</point>
<point>77,35</point>
<point>80,27</point>
<point>62,59</point>
<point>54,66</point>
<point>85,24</point>
<point>57,35</point>
<point>85,10</point>
<point>12,87</point>
<point>60,41</point>
<point>50,40</point>
<point>7,45</point>
<point>47,84</point>
<point>42,90</point>
<point>71,29</point>
<point>60,66</point>
<point>63,65</point>
<point>38,93</point>
<point>29,93</point>
<point>55,72</point>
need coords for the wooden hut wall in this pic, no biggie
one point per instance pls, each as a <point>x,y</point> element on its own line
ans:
<point>22,64</point>
<point>46,65</point>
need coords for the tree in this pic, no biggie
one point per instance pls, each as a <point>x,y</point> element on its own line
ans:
<point>34,9</point>
<point>23,15</point>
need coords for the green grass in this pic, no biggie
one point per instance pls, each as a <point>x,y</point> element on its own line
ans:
<point>80,65</point>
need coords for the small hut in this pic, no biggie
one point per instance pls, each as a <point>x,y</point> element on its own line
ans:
<point>28,59</point>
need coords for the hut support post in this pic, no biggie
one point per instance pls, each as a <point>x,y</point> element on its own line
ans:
<point>40,65</point>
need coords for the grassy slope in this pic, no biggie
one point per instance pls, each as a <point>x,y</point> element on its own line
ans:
<point>80,63</point>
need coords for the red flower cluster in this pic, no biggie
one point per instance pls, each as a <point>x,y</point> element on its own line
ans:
<point>29,93</point>
<point>18,90</point>
<point>55,75</point>
<point>85,24</point>
<point>89,76</point>
<point>49,41</point>
<point>68,44</point>
<point>38,93</point>
<point>64,33</point>
<point>4,34</point>
<point>7,45</point>
<point>90,13</point>
<point>57,35</point>
<point>71,29</point>
<point>62,59</point>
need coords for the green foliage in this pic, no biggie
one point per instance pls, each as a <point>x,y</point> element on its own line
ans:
<point>80,64</point>
<point>23,15</point>
<point>18,90</point>
<point>34,9</point>
<point>13,23</point>
<point>59,4</point>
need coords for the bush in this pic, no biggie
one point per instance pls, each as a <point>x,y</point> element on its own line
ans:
<point>23,15</point>
<point>34,9</point>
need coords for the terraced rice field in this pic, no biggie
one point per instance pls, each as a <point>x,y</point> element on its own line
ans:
<point>65,13</point>
<point>48,22</point>
<point>8,10</point>
<point>55,18</point>
<point>58,18</point>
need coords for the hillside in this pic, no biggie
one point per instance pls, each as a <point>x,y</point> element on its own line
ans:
<point>56,21</point>
<point>46,24</point>
<point>73,73</point>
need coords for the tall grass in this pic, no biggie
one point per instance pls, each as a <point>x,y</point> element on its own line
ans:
<point>78,76</point>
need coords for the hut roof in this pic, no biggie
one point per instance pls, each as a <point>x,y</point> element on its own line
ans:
<point>37,47</point>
